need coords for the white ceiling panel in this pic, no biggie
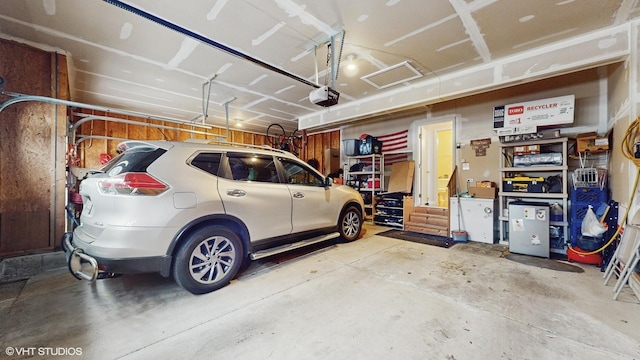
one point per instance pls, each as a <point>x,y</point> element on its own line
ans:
<point>121,59</point>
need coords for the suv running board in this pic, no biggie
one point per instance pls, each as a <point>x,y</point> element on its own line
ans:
<point>283,248</point>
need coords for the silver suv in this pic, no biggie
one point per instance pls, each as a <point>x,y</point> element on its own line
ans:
<point>196,212</point>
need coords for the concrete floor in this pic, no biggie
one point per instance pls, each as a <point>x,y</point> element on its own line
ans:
<point>374,298</point>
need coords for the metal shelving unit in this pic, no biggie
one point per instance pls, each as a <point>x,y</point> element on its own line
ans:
<point>507,150</point>
<point>359,180</point>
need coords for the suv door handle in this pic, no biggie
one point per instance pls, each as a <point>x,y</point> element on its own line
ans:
<point>236,193</point>
<point>298,195</point>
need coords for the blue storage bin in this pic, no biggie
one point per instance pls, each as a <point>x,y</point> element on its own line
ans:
<point>592,196</point>
<point>578,212</point>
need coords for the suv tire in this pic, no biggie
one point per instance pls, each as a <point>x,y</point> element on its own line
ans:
<point>208,259</point>
<point>350,223</point>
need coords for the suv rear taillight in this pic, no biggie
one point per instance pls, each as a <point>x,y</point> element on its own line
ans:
<point>132,184</point>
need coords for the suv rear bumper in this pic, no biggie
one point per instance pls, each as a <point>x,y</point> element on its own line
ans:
<point>80,265</point>
<point>84,266</point>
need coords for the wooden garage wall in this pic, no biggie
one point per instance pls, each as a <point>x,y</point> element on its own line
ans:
<point>33,186</point>
<point>32,142</point>
<point>89,151</point>
<point>317,143</point>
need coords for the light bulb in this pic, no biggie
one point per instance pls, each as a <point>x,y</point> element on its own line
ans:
<point>352,67</point>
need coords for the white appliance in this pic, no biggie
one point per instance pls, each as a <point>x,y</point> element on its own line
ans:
<point>529,228</point>
<point>478,217</point>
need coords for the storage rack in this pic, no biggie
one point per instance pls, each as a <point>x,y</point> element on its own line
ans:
<point>506,150</point>
<point>359,179</point>
<point>390,210</point>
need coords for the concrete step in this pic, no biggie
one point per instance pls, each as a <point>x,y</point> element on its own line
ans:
<point>23,267</point>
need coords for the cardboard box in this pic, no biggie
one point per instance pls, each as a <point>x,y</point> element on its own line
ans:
<point>401,179</point>
<point>516,130</point>
<point>331,161</point>
<point>526,150</point>
<point>551,111</point>
<point>592,142</point>
<point>483,193</point>
<point>485,184</point>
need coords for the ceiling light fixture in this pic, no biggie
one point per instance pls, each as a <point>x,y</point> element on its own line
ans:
<point>351,65</point>
<point>351,68</point>
<point>238,123</point>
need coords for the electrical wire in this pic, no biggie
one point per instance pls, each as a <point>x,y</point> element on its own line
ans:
<point>628,148</point>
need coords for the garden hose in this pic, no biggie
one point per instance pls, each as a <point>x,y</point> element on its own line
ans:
<point>628,148</point>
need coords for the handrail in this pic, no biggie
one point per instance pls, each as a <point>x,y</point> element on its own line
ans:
<point>452,185</point>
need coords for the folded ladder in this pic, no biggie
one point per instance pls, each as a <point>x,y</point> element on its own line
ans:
<point>625,258</point>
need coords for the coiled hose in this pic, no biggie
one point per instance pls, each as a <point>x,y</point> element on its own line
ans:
<point>628,150</point>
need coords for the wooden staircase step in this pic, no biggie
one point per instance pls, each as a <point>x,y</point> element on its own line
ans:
<point>429,225</point>
<point>428,220</point>
<point>426,230</point>
<point>432,210</point>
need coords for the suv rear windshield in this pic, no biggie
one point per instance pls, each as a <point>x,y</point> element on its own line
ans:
<point>136,159</point>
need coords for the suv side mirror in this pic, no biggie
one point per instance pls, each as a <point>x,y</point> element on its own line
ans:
<point>328,182</point>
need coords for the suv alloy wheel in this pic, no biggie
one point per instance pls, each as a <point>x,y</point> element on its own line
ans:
<point>208,259</point>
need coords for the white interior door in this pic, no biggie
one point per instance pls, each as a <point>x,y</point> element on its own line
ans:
<point>435,161</point>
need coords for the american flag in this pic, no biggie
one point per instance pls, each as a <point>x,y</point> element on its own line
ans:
<point>393,142</point>
<point>397,141</point>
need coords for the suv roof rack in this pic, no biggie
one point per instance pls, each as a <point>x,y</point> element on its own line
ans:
<point>237,144</point>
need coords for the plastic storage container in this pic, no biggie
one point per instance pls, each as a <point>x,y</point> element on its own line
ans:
<point>524,184</point>
<point>592,259</point>
<point>556,212</point>
<point>373,183</point>
<point>351,147</point>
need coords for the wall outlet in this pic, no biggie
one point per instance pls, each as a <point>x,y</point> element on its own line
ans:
<point>469,180</point>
